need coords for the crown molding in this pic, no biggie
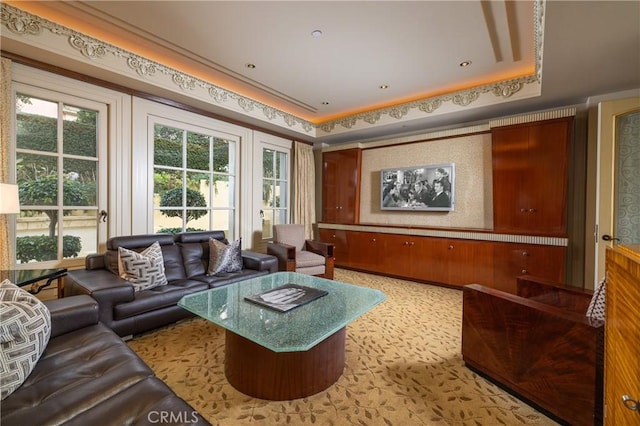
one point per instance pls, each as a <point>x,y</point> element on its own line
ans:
<point>37,31</point>
<point>32,29</point>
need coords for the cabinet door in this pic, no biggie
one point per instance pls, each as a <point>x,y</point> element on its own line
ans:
<point>364,251</point>
<point>330,183</point>
<point>341,186</point>
<point>431,259</point>
<point>470,262</point>
<point>622,337</point>
<point>530,163</point>
<point>397,259</point>
<point>547,176</point>
<point>349,186</point>
<point>510,200</point>
<point>512,260</point>
<point>545,262</point>
<point>339,239</point>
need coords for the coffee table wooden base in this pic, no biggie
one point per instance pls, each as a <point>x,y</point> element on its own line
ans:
<point>259,372</point>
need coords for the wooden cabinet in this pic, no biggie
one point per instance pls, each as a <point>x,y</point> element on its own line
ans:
<point>428,259</point>
<point>366,251</point>
<point>471,262</point>
<point>341,186</point>
<point>450,261</point>
<point>511,260</point>
<point>622,337</point>
<point>339,239</point>
<point>405,256</point>
<point>530,166</point>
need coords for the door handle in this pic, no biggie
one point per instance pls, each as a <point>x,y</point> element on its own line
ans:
<point>607,237</point>
<point>630,403</point>
<point>102,216</point>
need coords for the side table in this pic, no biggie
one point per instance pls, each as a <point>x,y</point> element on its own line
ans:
<point>36,278</point>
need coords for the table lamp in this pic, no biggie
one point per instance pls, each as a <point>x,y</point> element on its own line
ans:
<point>9,199</point>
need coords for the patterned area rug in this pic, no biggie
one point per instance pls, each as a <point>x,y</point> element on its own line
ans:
<point>403,367</point>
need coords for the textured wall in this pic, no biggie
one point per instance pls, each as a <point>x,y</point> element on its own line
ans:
<point>627,226</point>
<point>473,182</point>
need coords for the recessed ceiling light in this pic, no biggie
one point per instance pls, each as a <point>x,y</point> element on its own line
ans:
<point>384,86</point>
<point>465,63</point>
<point>251,66</point>
<point>316,33</point>
<point>324,103</point>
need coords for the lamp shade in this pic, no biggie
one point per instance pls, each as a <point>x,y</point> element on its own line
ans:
<point>9,199</point>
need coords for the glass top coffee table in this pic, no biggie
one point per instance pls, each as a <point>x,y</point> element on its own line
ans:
<point>283,355</point>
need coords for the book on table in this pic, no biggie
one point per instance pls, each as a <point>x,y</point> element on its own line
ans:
<point>286,297</point>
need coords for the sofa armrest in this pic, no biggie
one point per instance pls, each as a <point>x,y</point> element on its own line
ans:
<point>318,247</point>
<point>106,288</point>
<point>286,255</point>
<point>545,291</point>
<point>72,313</point>
<point>259,261</point>
<point>95,261</point>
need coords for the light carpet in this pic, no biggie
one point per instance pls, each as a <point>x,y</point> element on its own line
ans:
<point>403,367</point>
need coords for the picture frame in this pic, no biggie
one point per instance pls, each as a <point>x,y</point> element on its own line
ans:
<point>418,188</point>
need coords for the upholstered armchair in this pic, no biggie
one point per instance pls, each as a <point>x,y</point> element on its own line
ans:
<point>539,344</point>
<point>295,253</point>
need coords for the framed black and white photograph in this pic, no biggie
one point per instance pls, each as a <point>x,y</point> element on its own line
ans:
<point>425,188</point>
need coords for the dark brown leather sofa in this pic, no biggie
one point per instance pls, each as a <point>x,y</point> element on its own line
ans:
<point>186,258</point>
<point>88,376</point>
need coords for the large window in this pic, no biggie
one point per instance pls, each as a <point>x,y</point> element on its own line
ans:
<point>57,172</point>
<point>194,179</point>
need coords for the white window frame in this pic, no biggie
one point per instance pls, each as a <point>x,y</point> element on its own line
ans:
<point>145,115</point>
<point>112,106</point>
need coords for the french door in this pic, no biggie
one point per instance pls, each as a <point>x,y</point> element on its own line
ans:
<point>272,184</point>
<point>60,168</point>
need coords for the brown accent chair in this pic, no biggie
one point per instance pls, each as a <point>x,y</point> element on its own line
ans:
<point>538,344</point>
<point>295,253</point>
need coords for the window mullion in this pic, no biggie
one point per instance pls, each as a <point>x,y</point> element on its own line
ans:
<point>60,162</point>
<point>184,179</point>
<point>210,172</point>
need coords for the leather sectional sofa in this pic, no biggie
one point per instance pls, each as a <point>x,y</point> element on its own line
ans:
<point>186,258</point>
<point>88,375</point>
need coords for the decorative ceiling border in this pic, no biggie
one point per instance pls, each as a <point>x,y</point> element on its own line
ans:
<point>503,89</point>
<point>23,23</point>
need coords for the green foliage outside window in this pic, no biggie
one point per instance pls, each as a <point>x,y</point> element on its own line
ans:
<point>44,191</point>
<point>173,198</point>
<point>37,176</point>
<point>167,151</point>
<point>43,247</point>
<point>39,133</point>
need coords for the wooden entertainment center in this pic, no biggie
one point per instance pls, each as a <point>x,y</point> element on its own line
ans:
<point>530,165</point>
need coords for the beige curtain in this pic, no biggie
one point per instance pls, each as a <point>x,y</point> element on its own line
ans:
<point>6,251</point>
<point>304,210</point>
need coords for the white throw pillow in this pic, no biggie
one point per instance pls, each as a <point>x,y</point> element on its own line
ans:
<point>25,328</point>
<point>143,270</point>
<point>223,257</point>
